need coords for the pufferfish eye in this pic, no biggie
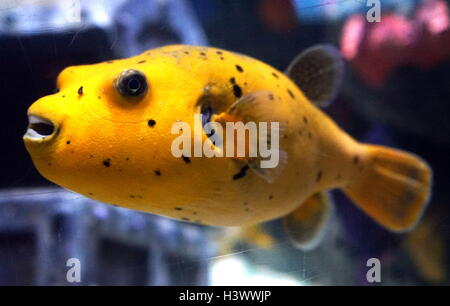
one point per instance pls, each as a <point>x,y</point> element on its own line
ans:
<point>131,83</point>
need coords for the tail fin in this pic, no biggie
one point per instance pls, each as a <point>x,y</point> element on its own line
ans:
<point>393,187</point>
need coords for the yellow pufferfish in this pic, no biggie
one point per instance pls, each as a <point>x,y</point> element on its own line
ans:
<point>107,134</point>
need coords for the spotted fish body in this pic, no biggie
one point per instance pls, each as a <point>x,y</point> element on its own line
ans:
<point>117,149</point>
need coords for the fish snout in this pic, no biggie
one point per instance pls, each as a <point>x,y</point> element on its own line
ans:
<point>40,129</point>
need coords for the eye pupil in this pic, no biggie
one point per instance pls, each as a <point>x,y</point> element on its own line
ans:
<point>134,84</point>
<point>131,83</point>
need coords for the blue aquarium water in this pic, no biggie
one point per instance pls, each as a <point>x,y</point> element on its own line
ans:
<point>394,88</point>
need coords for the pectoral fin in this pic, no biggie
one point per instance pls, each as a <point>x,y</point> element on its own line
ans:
<point>306,225</point>
<point>258,110</point>
<point>318,71</point>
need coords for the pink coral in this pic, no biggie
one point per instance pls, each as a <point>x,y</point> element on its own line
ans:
<point>375,50</point>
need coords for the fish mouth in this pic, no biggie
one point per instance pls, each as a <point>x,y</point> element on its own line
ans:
<point>39,128</point>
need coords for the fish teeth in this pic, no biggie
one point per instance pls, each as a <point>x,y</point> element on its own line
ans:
<point>33,134</point>
<point>34,120</point>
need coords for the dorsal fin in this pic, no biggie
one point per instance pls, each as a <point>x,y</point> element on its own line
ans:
<point>318,71</point>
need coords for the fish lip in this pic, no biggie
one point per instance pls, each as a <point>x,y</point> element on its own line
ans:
<point>40,129</point>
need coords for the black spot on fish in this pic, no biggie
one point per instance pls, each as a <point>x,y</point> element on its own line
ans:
<point>132,196</point>
<point>185,219</point>
<point>356,160</point>
<point>90,193</point>
<point>245,203</point>
<point>151,123</point>
<point>186,159</point>
<point>305,120</point>
<point>241,173</point>
<point>49,164</point>
<point>233,81</point>
<point>178,208</point>
<point>239,68</point>
<point>141,62</point>
<point>275,75</point>
<point>222,58</point>
<point>157,172</point>
<point>271,197</point>
<point>80,90</point>
<point>107,163</point>
<point>310,135</point>
<point>202,53</point>
<point>63,96</point>
<point>237,91</point>
<point>109,62</point>
<point>319,176</point>
<point>68,141</point>
<point>99,97</point>
<point>219,52</point>
<point>291,94</point>
<point>271,97</point>
<point>247,209</point>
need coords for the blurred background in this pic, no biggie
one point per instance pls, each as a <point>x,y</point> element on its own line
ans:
<point>396,92</point>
